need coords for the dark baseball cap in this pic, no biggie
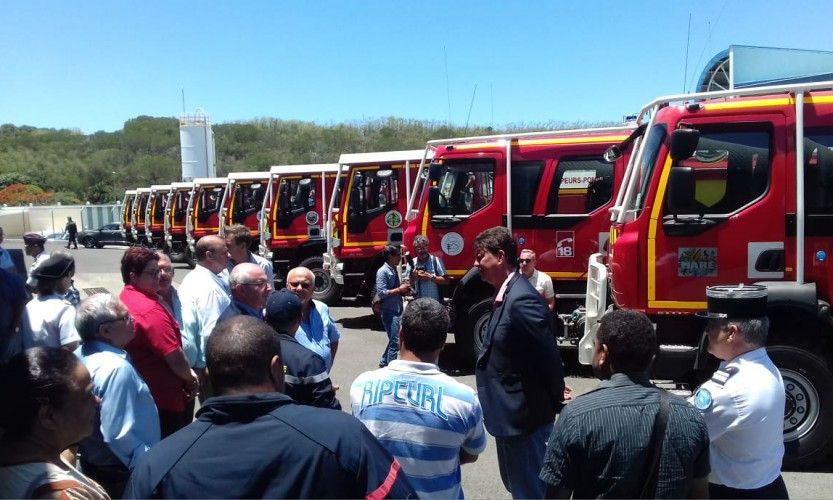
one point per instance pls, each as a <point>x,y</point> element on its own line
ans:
<point>283,308</point>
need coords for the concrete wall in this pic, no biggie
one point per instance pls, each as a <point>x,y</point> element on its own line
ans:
<point>17,221</point>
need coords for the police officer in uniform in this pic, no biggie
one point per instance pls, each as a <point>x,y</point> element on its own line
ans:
<point>743,403</point>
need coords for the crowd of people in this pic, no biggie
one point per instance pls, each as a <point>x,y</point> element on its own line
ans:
<point>103,390</point>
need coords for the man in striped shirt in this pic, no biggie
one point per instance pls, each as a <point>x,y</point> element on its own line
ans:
<point>427,420</point>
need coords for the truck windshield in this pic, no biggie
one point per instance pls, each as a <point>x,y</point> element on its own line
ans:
<point>649,160</point>
<point>466,186</point>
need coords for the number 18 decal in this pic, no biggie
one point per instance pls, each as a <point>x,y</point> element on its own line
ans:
<point>565,242</point>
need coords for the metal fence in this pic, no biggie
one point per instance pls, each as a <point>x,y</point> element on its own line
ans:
<point>51,219</point>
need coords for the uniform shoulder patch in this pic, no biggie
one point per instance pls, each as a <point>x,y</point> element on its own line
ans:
<point>702,399</point>
<point>722,375</point>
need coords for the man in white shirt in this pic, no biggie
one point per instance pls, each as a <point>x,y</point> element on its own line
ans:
<point>743,403</point>
<point>205,297</point>
<point>541,281</point>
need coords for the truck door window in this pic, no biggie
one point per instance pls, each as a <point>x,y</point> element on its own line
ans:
<point>818,171</point>
<point>466,186</point>
<point>159,207</point>
<point>180,205</point>
<point>210,200</point>
<point>526,177</point>
<point>580,186</point>
<point>248,198</point>
<point>731,169</point>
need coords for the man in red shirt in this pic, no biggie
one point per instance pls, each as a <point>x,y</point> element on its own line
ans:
<point>156,350</point>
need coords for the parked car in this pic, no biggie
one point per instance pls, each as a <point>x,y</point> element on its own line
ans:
<point>108,234</point>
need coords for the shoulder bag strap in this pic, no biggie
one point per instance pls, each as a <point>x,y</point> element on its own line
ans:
<point>657,438</point>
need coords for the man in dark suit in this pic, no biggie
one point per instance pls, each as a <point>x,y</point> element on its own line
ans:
<point>520,380</point>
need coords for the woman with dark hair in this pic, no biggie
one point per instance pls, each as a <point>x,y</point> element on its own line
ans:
<point>47,393</point>
<point>48,319</point>
<point>156,350</point>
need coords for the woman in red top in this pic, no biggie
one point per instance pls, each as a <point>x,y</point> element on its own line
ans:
<point>156,351</point>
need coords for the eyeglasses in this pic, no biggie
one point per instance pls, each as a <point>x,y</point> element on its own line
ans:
<point>302,284</point>
<point>127,319</point>
<point>524,261</point>
<point>255,283</point>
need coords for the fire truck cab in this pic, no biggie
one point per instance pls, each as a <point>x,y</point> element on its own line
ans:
<point>176,211</point>
<point>203,217</point>
<point>718,193</point>
<point>243,202</point>
<point>551,189</point>
<point>137,215</point>
<point>155,215</point>
<point>126,214</point>
<point>292,221</point>
<point>368,215</point>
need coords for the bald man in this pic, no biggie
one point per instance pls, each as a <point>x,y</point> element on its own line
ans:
<point>318,331</point>
<point>206,298</point>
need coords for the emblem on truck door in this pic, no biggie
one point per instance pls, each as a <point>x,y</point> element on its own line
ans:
<point>452,244</point>
<point>696,261</point>
<point>565,244</point>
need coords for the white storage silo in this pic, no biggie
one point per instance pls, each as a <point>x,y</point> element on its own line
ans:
<point>196,140</point>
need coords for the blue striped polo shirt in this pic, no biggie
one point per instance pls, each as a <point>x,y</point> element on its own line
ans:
<point>423,418</point>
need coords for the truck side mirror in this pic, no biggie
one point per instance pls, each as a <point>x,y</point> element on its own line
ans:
<point>304,189</point>
<point>612,153</point>
<point>434,199</point>
<point>435,170</point>
<point>684,143</point>
<point>681,188</point>
<point>285,200</point>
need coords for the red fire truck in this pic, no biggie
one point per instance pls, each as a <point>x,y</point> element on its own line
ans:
<point>137,215</point>
<point>203,217</point>
<point>369,215</point>
<point>243,201</point>
<point>126,214</point>
<point>717,192</point>
<point>155,215</point>
<point>176,211</point>
<point>292,221</point>
<point>551,189</point>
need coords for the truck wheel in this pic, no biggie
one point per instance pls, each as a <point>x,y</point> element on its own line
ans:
<point>326,290</point>
<point>808,410</point>
<point>88,242</point>
<point>469,335</point>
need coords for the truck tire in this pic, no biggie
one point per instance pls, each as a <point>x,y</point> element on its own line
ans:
<point>808,410</point>
<point>88,242</point>
<point>326,290</point>
<point>469,334</point>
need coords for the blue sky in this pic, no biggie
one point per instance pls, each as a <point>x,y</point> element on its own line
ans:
<point>92,65</point>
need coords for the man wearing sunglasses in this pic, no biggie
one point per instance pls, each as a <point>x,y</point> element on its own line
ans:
<point>541,281</point>
<point>318,331</point>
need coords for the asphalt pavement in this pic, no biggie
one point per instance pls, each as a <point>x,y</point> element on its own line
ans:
<point>362,342</point>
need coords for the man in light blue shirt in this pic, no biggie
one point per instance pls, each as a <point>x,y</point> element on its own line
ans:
<point>318,331</point>
<point>430,422</point>
<point>127,419</point>
<point>5,259</point>
<point>390,291</point>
